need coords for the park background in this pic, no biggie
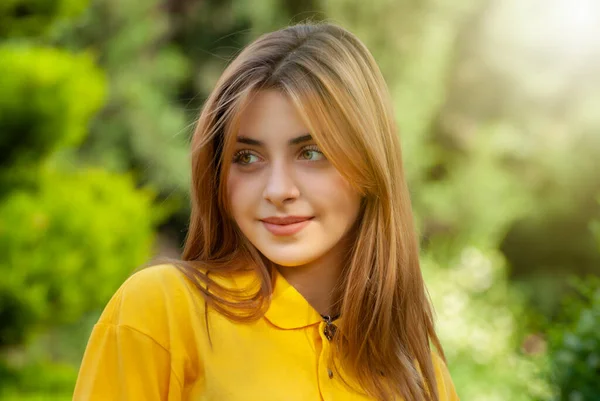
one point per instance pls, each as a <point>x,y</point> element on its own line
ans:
<point>498,104</point>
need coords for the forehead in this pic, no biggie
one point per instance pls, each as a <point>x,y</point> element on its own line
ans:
<point>269,115</point>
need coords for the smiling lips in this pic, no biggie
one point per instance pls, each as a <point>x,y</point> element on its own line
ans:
<point>288,225</point>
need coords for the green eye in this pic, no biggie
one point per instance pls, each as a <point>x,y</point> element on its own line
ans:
<point>312,154</point>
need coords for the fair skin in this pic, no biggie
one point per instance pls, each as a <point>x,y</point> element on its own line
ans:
<point>279,171</point>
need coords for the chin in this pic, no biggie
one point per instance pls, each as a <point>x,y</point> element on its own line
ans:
<point>289,258</point>
<point>289,262</point>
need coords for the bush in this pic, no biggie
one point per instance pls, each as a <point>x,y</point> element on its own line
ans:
<point>66,246</point>
<point>574,345</point>
<point>68,238</point>
<point>141,128</point>
<point>35,17</point>
<point>477,318</point>
<point>40,381</point>
<point>47,97</point>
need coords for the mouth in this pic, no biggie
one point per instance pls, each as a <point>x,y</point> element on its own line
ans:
<point>285,226</point>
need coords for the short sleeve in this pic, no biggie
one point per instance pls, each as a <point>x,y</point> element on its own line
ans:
<point>134,351</point>
<point>122,364</point>
<point>446,389</point>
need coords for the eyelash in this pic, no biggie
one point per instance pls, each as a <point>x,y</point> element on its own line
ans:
<point>237,156</point>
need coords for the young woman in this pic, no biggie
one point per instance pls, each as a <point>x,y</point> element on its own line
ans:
<point>300,277</point>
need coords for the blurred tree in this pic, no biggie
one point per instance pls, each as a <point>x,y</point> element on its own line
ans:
<point>66,246</point>
<point>595,228</point>
<point>574,344</point>
<point>68,236</point>
<point>479,321</point>
<point>533,90</point>
<point>141,128</point>
<point>40,107</point>
<point>22,18</point>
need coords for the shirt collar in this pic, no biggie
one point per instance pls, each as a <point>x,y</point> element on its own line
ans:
<point>288,308</point>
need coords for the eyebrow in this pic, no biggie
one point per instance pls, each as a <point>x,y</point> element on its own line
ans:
<point>291,142</point>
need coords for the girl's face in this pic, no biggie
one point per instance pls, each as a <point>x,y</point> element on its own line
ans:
<point>285,196</point>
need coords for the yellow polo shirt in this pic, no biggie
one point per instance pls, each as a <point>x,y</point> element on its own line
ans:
<point>151,343</point>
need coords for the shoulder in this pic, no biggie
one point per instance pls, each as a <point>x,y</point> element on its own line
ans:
<point>151,300</point>
<point>154,286</point>
<point>445,385</point>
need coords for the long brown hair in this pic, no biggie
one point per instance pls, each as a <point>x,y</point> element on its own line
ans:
<point>337,88</point>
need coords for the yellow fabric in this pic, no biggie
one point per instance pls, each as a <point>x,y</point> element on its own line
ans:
<point>151,343</point>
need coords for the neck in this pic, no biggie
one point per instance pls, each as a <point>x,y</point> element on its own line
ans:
<point>318,280</point>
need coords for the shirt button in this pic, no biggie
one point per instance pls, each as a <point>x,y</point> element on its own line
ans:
<point>330,373</point>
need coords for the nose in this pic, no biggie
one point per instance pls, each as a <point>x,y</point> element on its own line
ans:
<point>281,186</point>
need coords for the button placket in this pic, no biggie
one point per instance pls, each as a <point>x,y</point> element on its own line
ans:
<point>325,373</point>
<point>329,331</point>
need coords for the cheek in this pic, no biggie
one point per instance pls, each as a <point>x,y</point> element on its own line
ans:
<point>242,193</point>
<point>332,193</point>
<point>232,186</point>
<point>234,193</point>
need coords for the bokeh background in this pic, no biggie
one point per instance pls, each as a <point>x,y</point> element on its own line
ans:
<point>498,104</point>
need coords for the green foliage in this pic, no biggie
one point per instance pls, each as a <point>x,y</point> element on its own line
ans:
<point>68,238</point>
<point>47,97</point>
<point>42,381</point>
<point>141,127</point>
<point>37,397</point>
<point>35,17</point>
<point>479,320</point>
<point>67,245</point>
<point>269,15</point>
<point>574,345</point>
<point>595,228</point>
